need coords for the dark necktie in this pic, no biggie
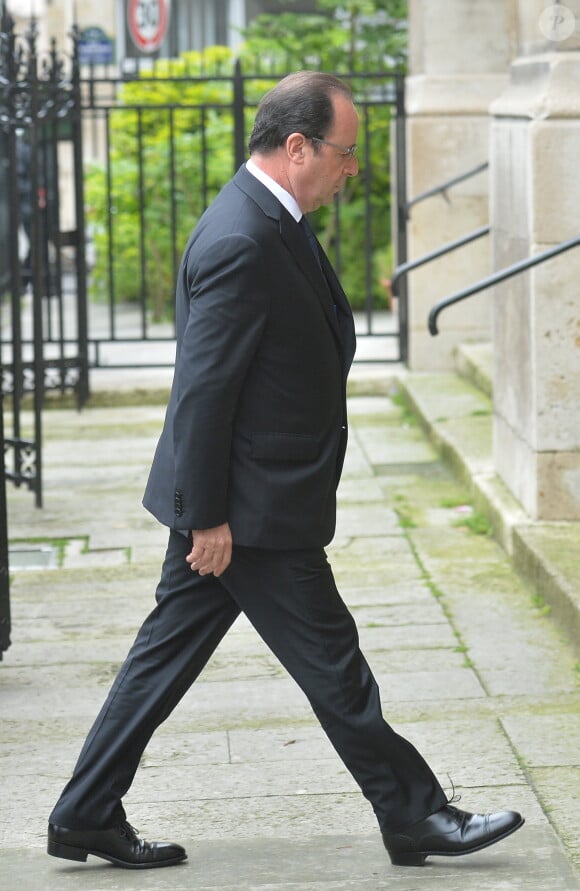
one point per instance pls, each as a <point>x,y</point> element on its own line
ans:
<point>311,239</point>
<point>305,225</point>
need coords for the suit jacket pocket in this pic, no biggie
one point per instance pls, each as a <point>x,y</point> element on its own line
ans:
<point>284,446</point>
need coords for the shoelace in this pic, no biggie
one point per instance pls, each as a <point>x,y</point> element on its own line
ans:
<point>455,796</point>
<point>128,831</point>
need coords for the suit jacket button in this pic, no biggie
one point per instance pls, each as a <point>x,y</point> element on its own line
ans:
<point>178,503</point>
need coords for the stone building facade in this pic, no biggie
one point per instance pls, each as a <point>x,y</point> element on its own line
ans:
<point>500,80</point>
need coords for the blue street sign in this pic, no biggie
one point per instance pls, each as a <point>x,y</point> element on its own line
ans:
<point>95,48</point>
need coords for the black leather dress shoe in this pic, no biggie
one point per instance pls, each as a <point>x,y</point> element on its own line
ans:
<point>119,845</point>
<point>449,832</point>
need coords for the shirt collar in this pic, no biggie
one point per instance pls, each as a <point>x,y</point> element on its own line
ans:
<point>284,197</point>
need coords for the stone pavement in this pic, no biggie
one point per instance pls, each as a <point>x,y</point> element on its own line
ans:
<point>471,668</point>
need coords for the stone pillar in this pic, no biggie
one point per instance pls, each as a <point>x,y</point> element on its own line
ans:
<point>535,201</point>
<point>460,52</point>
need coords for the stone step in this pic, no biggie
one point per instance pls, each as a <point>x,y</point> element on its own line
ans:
<point>457,416</point>
<point>474,362</point>
<point>71,553</point>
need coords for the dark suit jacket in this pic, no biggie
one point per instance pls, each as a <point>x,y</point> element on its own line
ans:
<point>255,430</point>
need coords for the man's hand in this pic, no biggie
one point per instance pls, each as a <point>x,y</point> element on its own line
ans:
<point>211,551</point>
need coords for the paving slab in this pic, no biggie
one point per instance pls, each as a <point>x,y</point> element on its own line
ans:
<point>324,863</point>
<point>469,669</point>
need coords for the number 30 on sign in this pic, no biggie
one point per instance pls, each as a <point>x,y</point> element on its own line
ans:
<point>147,21</point>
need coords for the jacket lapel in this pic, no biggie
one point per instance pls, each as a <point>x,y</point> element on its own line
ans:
<point>294,238</point>
<point>343,311</point>
<point>323,281</point>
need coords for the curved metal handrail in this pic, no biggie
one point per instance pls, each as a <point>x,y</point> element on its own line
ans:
<point>442,188</point>
<point>497,277</point>
<point>404,268</point>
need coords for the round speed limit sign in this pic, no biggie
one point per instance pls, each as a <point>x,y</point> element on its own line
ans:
<point>147,21</point>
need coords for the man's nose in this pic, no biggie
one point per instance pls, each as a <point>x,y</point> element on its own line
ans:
<point>351,167</point>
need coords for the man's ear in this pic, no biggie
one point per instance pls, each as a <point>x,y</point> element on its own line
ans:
<point>295,145</point>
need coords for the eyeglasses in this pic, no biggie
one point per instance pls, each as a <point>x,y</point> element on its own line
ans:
<point>347,151</point>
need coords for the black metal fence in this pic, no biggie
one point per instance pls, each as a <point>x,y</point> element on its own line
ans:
<point>158,147</point>
<point>43,303</point>
<point>43,320</point>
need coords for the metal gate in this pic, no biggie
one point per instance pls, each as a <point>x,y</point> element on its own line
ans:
<point>43,319</point>
<point>160,145</point>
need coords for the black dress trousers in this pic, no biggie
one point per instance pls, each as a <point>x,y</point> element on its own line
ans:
<point>291,599</point>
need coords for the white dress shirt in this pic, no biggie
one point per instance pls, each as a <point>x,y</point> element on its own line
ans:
<point>284,197</point>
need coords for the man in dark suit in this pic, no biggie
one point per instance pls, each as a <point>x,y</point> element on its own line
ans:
<point>245,477</point>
